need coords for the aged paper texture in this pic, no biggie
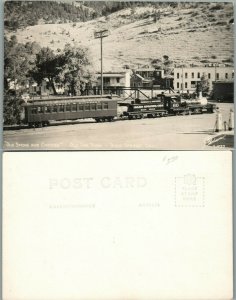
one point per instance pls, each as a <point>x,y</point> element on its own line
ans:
<point>115,225</point>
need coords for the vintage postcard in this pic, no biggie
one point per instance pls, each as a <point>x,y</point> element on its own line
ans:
<point>117,225</point>
<point>117,75</point>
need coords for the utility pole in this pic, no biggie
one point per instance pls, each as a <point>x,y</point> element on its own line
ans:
<point>215,72</point>
<point>101,35</point>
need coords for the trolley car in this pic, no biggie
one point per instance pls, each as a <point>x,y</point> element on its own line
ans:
<point>40,113</point>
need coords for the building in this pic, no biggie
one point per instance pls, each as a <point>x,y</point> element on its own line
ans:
<point>44,89</point>
<point>138,81</point>
<point>186,78</point>
<point>150,73</point>
<point>114,79</point>
<point>150,77</point>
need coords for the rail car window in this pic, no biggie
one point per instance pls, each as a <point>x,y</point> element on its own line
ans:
<point>54,109</point>
<point>105,105</point>
<point>99,106</point>
<point>81,107</point>
<point>34,110</point>
<point>67,107</point>
<point>74,107</point>
<point>93,106</point>
<point>47,109</point>
<point>61,108</point>
<point>87,106</point>
<point>40,109</point>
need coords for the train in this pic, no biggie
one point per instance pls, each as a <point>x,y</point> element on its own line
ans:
<point>37,113</point>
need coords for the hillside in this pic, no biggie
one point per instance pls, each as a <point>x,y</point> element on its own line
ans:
<point>20,14</point>
<point>198,33</point>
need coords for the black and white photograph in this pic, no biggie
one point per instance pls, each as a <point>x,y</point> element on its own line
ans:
<point>96,75</point>
<point>118,150</point>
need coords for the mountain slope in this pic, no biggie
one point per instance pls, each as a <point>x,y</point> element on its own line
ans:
<point>198,33</point>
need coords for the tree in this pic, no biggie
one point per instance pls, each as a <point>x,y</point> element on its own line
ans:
<point>163,64</point>
<point>157,63</point>
<point>203,85</point>
<point>167,65</point>
<point>47,66</point>
<point>12,109</point>
<point>18,62</point>
<point>76,69</point>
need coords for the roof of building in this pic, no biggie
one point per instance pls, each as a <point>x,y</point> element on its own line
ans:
<point>112,74</point>
<point>204,67</point>
<point>139,76</point>
<point>142,78</point>
<point>145,70</point>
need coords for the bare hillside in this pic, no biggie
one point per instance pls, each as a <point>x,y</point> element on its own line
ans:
<point>199,34</point>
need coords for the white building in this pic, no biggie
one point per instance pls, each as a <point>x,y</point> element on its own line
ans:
<point>44,89</point>
<point>115,79</point>
<point>186,78</point>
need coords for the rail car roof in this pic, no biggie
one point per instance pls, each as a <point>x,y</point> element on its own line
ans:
<point>59,98</point>
<point>68,101</point>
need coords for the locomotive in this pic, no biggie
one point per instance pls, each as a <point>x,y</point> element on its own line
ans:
<point>37,113</point>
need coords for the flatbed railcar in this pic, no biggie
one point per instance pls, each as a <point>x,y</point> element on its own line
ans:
<point>148,109</point>
<point>165,105</point>
<point>40,113</point>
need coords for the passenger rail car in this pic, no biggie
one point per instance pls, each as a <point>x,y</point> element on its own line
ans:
<point>40,113</point>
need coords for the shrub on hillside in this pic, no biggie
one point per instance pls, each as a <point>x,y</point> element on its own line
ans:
<point>228,60</point>
<point>216,6</point>
<point>222,23</point>
<point>194,14</point>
